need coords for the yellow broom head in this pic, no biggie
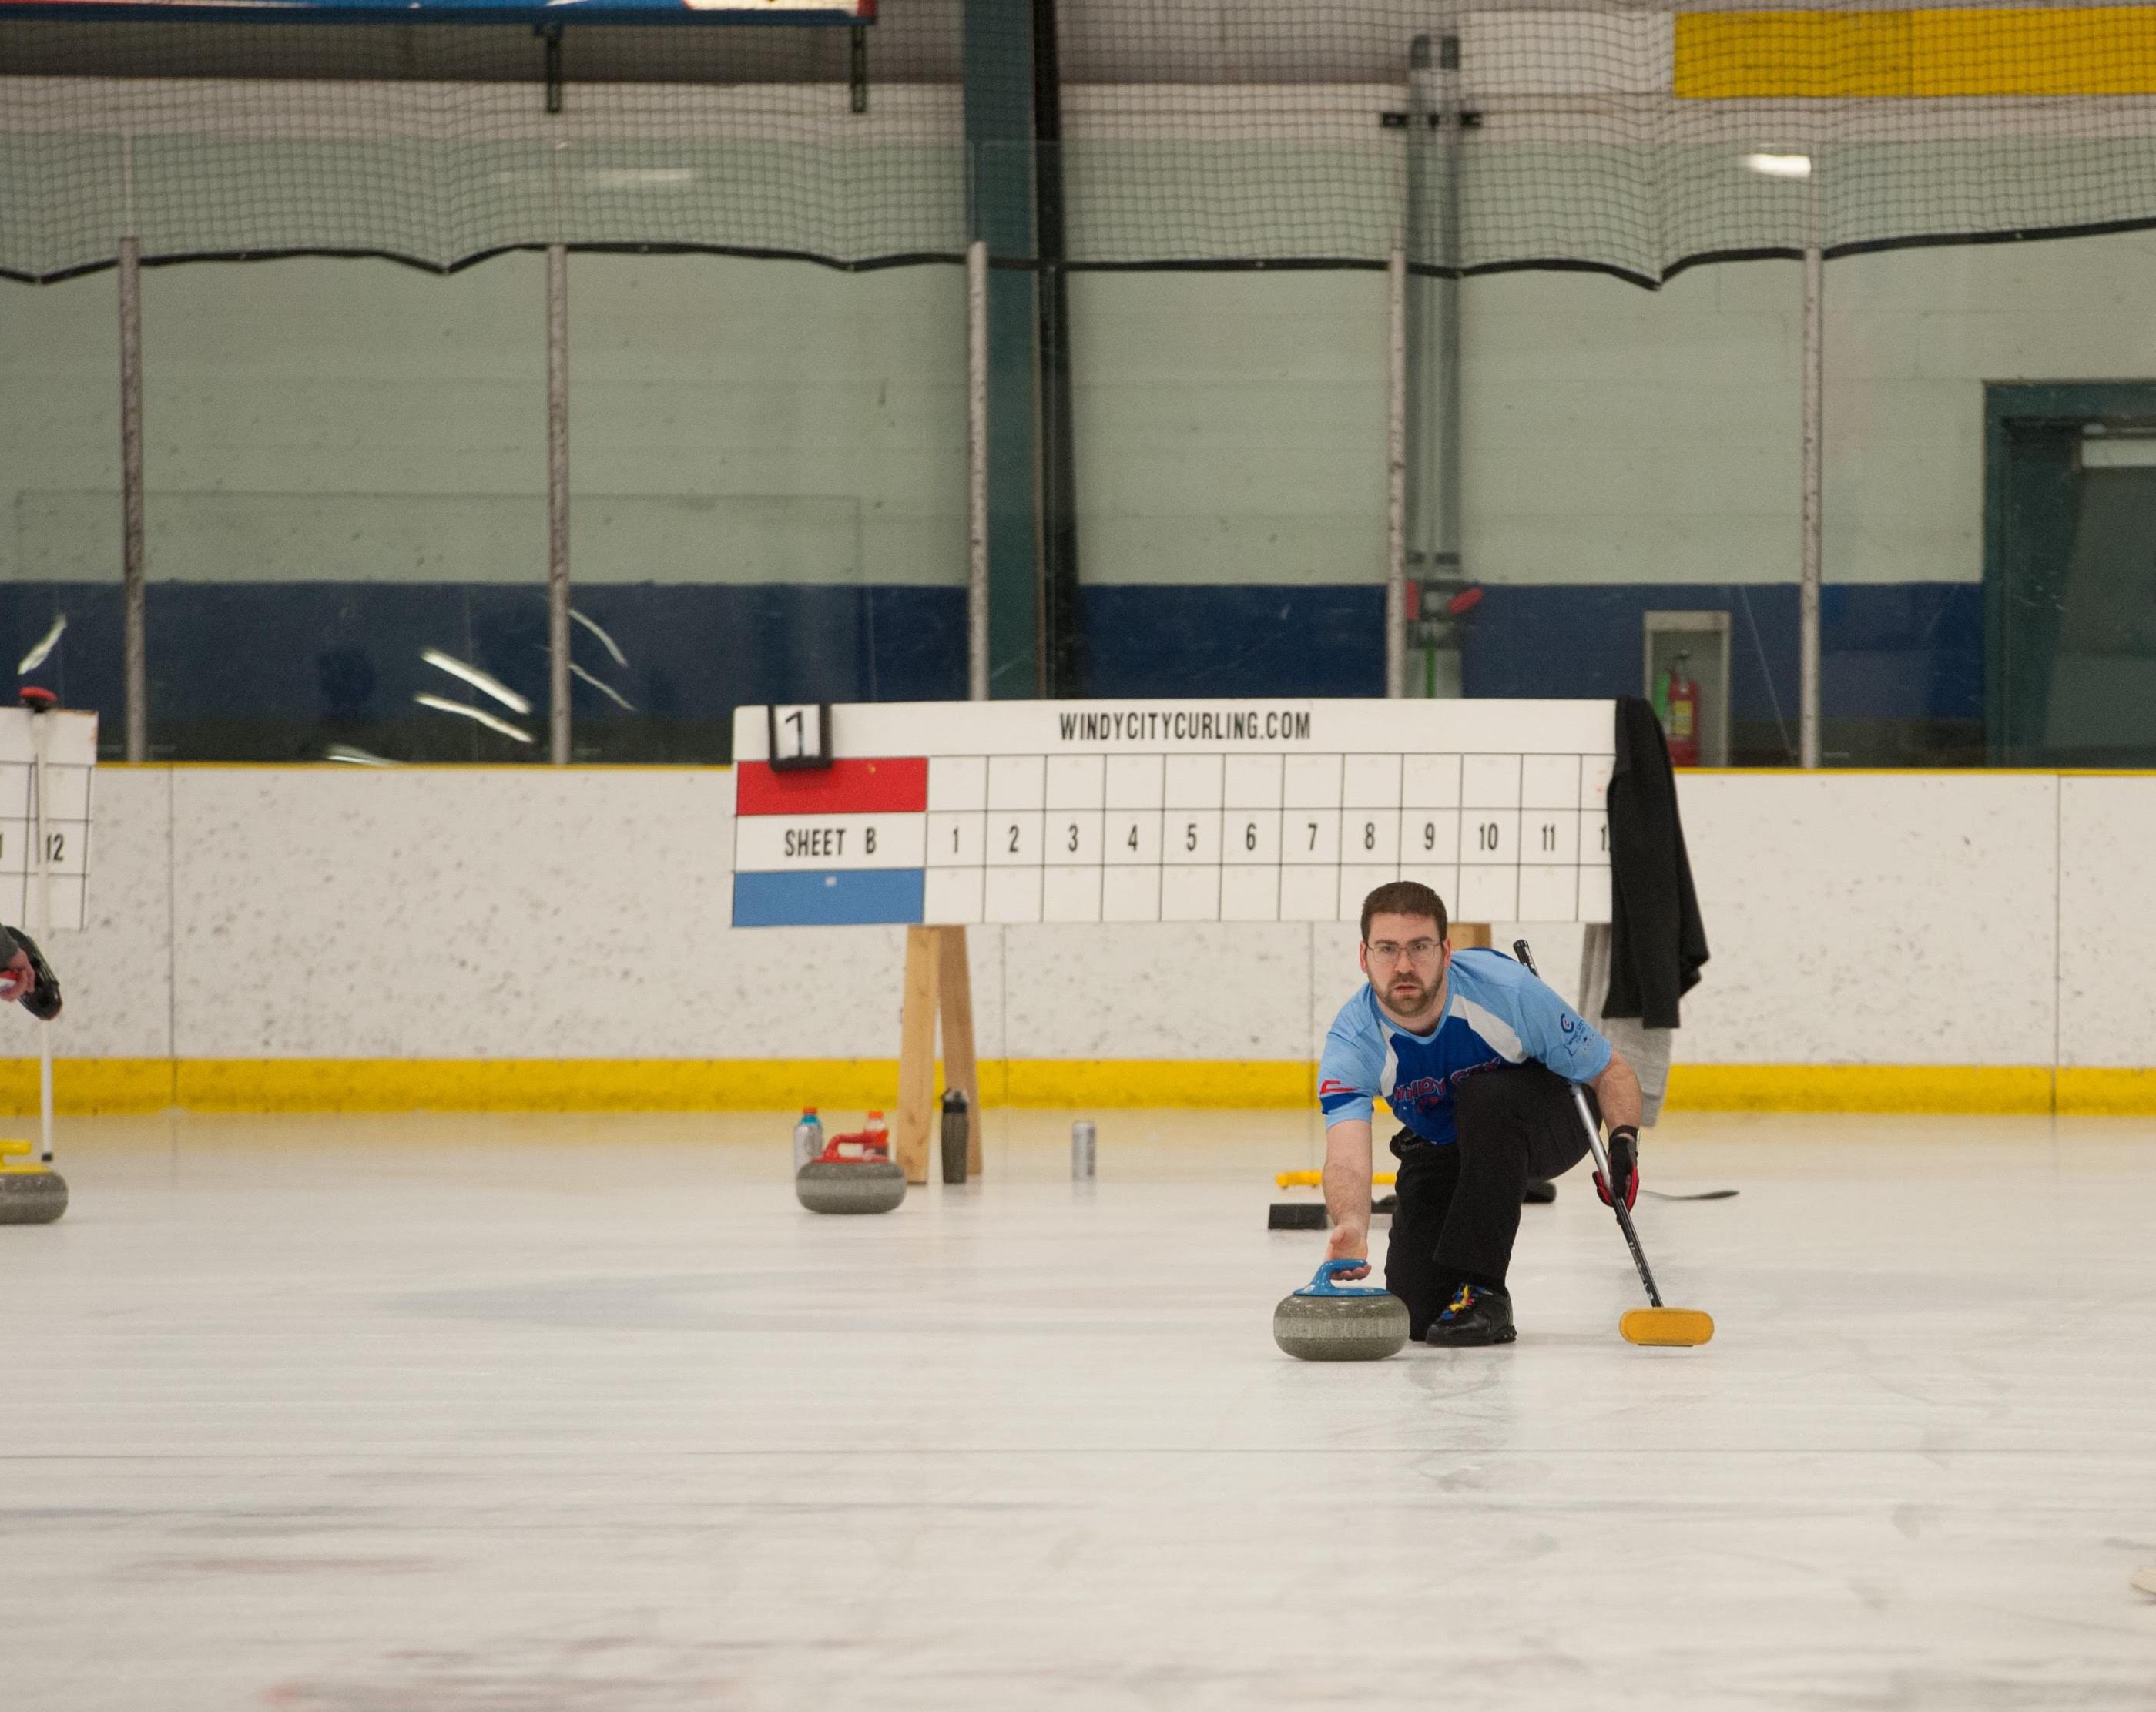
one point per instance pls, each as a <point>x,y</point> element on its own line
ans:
<point>1681,1328</point>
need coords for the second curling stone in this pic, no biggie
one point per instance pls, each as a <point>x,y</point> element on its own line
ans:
<point>1325,1321</point>
<point>30,1193</point>
<point>853,1173</point>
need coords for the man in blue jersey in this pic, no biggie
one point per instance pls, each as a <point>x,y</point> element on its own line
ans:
<point>1475,1057</point>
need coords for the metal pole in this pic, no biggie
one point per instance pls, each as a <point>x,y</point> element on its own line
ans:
<point>977,469</point>
<point>1808,596</point>
<point>41,911</point>
<point>1451,135</point>
<point>134,622</point>
<point>558,502</point>
<point>1396,476</point>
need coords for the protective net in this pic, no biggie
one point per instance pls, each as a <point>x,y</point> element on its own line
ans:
<point>1636,138</point>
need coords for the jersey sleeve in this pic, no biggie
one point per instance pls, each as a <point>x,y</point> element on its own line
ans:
<point>1553,1032</point>
<point>1348,1068</point>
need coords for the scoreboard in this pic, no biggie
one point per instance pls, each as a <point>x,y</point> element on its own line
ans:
<point>955,812</point>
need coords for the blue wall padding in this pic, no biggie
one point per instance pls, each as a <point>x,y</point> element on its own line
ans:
<point>313,651</point>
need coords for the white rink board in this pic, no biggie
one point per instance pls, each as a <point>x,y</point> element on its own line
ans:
<point>955,812</point>
<point>71,758</point>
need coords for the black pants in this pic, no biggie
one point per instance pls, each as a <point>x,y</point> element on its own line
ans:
<point>1459,1206</point>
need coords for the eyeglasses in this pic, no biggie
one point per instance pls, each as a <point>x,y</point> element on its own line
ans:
<point>1417,950</point>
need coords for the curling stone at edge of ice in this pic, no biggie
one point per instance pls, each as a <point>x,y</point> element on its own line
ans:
<point>1324,1322</point>
<point>29,1193</point>
<point>870,1181</point>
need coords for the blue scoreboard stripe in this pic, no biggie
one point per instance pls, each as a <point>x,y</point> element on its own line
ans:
<point>848,897</point>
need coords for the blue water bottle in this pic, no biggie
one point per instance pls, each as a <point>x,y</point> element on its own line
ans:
<point>808,1138</point>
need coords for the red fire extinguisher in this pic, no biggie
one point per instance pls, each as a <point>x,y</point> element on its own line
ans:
<point>1681,695</point>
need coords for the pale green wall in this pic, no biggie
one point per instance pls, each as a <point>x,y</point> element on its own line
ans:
<point>1615,434</point>
<point>59,424</point>
<point>754,420</point>
<point>1231,427</point>
<point>731,421</point>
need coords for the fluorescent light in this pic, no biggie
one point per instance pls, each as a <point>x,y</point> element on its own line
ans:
<point>479,680</point>
<point>606,641</point>
<point>355,757</point>
<point>477,715</point>
<point>1781,166</point>
<point>605,689</point>
<point>641,177</point>
<point>38,656</point>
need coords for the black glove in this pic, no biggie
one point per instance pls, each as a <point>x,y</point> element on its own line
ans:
<point>43,1000</point>
<point>1623,1166</point>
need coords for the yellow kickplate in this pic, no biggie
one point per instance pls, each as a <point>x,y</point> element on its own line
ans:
<point>1682,1327</point>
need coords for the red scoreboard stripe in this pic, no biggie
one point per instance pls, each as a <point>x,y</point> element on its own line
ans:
<point>898,786</point>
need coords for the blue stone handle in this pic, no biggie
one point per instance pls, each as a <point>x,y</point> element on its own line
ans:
<point>1323,1284</point>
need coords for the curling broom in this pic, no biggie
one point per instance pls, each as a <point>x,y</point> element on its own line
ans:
<point>1684,1328</point>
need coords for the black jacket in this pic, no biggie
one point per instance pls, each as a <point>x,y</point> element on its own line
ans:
<point>1657,942</point>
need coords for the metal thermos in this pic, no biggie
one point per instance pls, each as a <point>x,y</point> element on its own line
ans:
<point>957,1127</point>
<point>1081,1151</point>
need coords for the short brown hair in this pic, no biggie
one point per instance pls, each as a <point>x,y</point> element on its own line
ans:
<point>1403,897</point>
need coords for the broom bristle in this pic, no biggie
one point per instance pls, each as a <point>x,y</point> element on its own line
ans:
<point>1681,1328</point>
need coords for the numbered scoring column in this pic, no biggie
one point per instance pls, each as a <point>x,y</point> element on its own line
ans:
<point>67,844</point>
<point>1522,820</point>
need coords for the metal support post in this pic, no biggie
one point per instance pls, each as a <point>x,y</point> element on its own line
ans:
<point>558,502</point>
<point>41,912</point>
<point>977,469</point>
<point>133,597</point>
<point>1808,596</point>
<point>1396,475</point>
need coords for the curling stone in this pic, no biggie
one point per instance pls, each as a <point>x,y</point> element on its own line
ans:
<point>853,1174</point>
<point>30,1193</point>
<point>1324,1322</point>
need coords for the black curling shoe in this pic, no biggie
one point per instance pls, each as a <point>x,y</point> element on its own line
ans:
<point>1539,1192</point>
<point>1475,1317</point>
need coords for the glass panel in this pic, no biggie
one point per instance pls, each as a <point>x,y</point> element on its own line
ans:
<point>1630,489</point>
<point>60,493</point>
<point>1230,456</point>
<point>346,475</point>
<point>768,473</point>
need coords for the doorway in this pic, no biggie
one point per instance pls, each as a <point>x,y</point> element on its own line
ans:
<point>2070,574</point>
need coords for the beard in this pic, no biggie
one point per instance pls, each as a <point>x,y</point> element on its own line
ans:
<point>1407,995</point>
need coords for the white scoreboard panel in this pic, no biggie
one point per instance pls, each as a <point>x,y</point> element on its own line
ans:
<point>70,755</point>
<point>1101,811</point>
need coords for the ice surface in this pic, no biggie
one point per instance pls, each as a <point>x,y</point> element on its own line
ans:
<point>441,1414</point>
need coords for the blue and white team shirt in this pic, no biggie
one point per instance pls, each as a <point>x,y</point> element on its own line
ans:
<point>1495,1013</point>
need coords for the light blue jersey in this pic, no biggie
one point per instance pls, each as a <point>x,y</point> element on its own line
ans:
<point>1495,1013</point>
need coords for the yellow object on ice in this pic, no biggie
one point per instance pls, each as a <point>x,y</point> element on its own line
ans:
<point>1315,1180</point>
<point>1681,1328</point>
<point>16,1157</point>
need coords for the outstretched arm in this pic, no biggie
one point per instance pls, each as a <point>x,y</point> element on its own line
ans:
<point>1617,1091</point>
<point>1347,1191</point>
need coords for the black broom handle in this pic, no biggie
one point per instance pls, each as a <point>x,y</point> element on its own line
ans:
<point>1601,1159</point>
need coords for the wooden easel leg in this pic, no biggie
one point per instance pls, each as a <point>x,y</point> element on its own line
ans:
<point>954,986</point>
<point>916,1055</point>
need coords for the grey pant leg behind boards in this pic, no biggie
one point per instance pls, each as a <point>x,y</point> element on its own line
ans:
<point>1648,1051</point>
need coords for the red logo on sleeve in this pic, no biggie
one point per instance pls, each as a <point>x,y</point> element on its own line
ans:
<point>1329,1086</point>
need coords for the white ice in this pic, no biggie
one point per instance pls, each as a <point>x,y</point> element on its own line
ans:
<point>439,1414</point>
